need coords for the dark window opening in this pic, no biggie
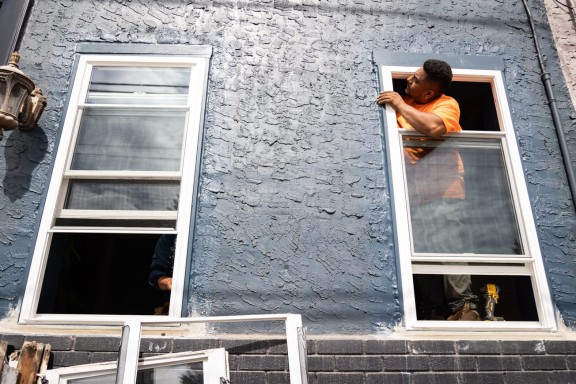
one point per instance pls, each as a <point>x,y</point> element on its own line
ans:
<point>100,274</point>
<point>476,100</point>
<point>515,303</point>
<point>115,223</point>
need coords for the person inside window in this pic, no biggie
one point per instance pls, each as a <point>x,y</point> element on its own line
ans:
<point>435,181</point>
<point>161,267</point>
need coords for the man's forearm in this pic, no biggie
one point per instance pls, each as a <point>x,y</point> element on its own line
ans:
<point>424,122</point>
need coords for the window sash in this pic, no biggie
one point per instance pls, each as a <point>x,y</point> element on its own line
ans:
<point>214,365</point>
<point>61,173</point>
<point>532,256</point>
<point>117,214</point>
<point>463,143</point>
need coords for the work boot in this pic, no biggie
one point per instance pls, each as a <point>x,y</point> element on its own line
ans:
<point>466,313</point>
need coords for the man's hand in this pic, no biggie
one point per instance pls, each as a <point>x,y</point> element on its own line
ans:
<point>165,283</point>
<point>391,98</point>
<point>424,122</point>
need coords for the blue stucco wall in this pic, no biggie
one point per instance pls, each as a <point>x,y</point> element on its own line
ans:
<point>294,210</point>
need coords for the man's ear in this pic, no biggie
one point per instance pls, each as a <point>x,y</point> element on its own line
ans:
<point>429,95</point>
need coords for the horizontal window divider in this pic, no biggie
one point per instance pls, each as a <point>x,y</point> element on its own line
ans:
<point>135,95</point>
<point>151,107</point>
<point>460,269</point>
<point>479,326</point>
<point>76,319</point>
<point>464,75</point>
<point>123,175</point>
<point>116,214</point>
<point>469,257</point>
<point>453,144</point>
<point>462,134</point>
<point>120,230</point>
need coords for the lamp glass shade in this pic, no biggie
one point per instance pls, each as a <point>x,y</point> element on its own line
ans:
<point>17,96</point>
<point>3,87</point>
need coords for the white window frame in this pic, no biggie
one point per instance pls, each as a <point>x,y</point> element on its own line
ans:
<point>214,366</point>
<point>528,264</point>
<point>57,186</point>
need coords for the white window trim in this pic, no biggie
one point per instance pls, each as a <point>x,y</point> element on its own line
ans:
<point>214,366</point>
<point>528,264</point>
<point>198,85</point>
<point>295,341</point>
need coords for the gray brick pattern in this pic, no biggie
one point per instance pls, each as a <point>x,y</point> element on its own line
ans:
<point>350,361</point>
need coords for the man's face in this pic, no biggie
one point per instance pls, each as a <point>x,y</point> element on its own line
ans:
<point>419,88</point>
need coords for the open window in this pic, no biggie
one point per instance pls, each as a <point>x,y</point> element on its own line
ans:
<point>495,249</point>
<point>123,180</point>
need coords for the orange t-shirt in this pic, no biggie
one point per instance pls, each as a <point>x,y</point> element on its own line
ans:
<point>445,107</point>
<point>434,172</point>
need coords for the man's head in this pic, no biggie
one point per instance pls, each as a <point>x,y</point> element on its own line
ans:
<point>429,81</point>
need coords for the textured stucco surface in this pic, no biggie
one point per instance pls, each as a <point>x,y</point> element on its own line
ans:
<point>562,19</point>
<point>294,210</point>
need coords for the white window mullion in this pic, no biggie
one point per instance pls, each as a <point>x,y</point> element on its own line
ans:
<point>399,200</point>
<point>116,214</point>
<point>133,106</point>
<point>470,257</point>
<point>524,206</point>
<point>40,255</point>
<point>188,168</point>
<point>496,270</point>
<point>122,230</point>
<point>122,175</point>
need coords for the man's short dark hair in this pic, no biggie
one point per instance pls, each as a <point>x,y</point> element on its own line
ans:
<point>439,72</point>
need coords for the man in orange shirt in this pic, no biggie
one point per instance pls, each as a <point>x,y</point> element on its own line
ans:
<point>435,180</point>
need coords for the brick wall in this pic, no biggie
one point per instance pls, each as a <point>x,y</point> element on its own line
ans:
<point>369,361</point>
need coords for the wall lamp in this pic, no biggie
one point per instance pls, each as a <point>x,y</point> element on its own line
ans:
<point>21,103</point>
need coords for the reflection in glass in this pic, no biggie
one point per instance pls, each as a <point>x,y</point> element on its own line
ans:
<point>139,85</point>
<point>459,195</point>
<point>132,139</point>
<point>123,195</point>
<point>175,374</point>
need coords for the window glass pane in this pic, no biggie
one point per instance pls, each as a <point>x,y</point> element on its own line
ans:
<point>514,296</point>
<point>123,195</point>
<point>17,96</point>
<point>106,274</point>
<point>175,374</point>
<point>3,87</point>
<point>460,198</point>
<point>139,85</point>
<point>129,139</point>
